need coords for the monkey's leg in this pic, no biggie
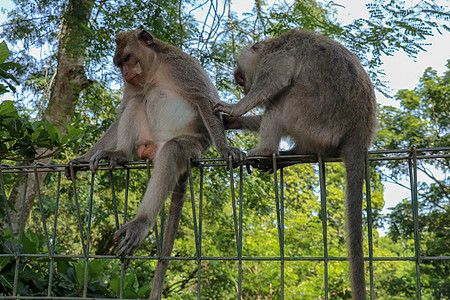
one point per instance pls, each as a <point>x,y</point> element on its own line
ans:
<point>173,221</point>
<point>270,133</point>
<point>170,162</point>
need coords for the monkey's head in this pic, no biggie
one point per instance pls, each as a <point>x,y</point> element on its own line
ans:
<point>246,66</point>
<point>135,55</point>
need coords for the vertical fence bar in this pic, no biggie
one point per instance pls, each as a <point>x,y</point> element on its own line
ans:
<point>53,245</point>
<point>44,224</point>
<point>241,196</point>
<point>125,208</point>
<point>415,212</point>
<point>80,224</point>
<point>280,230</point>
<point>15,248</point>
<point>88,233</point>
<point>21,230</point>
<point>323,202</point>
<point>194,218</point>
<point>369,225</point>
<point>236,229</point>
<point>200,220</point>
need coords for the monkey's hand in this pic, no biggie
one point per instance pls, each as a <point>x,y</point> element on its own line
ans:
<point>236,155</point>
<point>133,233</point>
<point>231,122</point>
<point>114,158</point>
<point>74,162</point>
<point>227,108</point>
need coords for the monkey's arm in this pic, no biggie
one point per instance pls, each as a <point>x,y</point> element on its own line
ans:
<point>215,126</point>
<point>272,76</point>
<point>251,123</point>
<point>107,142</point>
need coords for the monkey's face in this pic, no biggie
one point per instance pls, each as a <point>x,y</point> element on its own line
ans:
<point>133,56</point>
<point>246,66</point>
<point>243,78</point>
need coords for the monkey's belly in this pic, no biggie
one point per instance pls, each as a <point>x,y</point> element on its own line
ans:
<point>170,115</point>
<point>165,116</point>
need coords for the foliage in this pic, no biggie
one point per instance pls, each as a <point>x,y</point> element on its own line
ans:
<point>423,119</point>
<point>5,68</point>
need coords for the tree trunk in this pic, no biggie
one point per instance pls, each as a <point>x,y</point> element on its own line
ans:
<point>69,82</point>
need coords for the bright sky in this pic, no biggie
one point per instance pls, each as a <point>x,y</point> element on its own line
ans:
<point>402,72</point>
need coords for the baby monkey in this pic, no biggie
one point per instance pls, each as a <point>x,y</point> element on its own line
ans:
<point>316,92</point>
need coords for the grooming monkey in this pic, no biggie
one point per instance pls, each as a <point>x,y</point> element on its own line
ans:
<point>315,91</point>
<point>166,114</point>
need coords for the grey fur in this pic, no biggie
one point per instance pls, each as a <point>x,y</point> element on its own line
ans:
<point>315,91</point>
<point>168,99</point>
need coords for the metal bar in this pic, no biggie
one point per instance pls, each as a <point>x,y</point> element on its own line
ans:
<point>323,203</point>
<point>415,212</point>
<point>236,229</point>
<point>412,156</point>
<point>88,233</point>
<point>282,228</point>
<point>194,219</point>
<point>369,225</point>
<point>125,208</point>
<point>200,220</point>
<point>280,234</point>
<point>55,223</point>
<point>241,196</point>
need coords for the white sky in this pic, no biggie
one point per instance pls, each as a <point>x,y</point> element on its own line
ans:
<point>402,72</point>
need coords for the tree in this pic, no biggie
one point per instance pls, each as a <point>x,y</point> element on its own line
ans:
<point>83,38</point>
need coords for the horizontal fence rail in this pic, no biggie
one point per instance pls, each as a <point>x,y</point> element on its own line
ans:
<point>61,188</point>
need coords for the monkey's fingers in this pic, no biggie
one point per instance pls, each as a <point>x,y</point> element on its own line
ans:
<point>126,246</point>
<point>237,156</point>
<point>95,160</point>
<point>218,107</point>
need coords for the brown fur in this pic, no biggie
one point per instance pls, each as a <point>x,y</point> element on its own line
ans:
<point>167,105</point>
<point>315,91</point>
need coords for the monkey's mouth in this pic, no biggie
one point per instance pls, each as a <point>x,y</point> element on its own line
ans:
<point>133,80</point>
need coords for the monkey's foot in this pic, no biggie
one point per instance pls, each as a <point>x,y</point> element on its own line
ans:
<point>261,152</point>
<point>133,233</point>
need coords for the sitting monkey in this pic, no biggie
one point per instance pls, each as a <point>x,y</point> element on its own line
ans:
<point>166,114</point>
<point>316,92</point>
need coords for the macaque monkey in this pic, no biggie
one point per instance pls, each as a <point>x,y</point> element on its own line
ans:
<point>166,114</point>
<point>316,92</point>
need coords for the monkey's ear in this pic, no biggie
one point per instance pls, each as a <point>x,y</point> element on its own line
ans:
<point>145,37</point>
<point>256,47</point>
<point>119,36</point>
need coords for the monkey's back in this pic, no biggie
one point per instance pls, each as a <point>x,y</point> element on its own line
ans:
<point>329,86</point>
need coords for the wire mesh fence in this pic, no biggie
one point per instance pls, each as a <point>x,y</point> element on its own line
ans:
<point>47,239</point>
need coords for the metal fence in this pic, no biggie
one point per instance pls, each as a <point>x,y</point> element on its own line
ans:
<point>236,183</point>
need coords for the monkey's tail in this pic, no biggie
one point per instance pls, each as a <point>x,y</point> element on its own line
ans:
<point>354,160</point>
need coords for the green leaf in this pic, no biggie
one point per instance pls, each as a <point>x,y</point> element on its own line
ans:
<point>4,260</point>
<point>4,52</point>
<point>30,242</point>
<point>79,272</point>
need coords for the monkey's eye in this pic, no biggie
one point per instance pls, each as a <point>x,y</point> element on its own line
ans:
<point>127,58</point>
